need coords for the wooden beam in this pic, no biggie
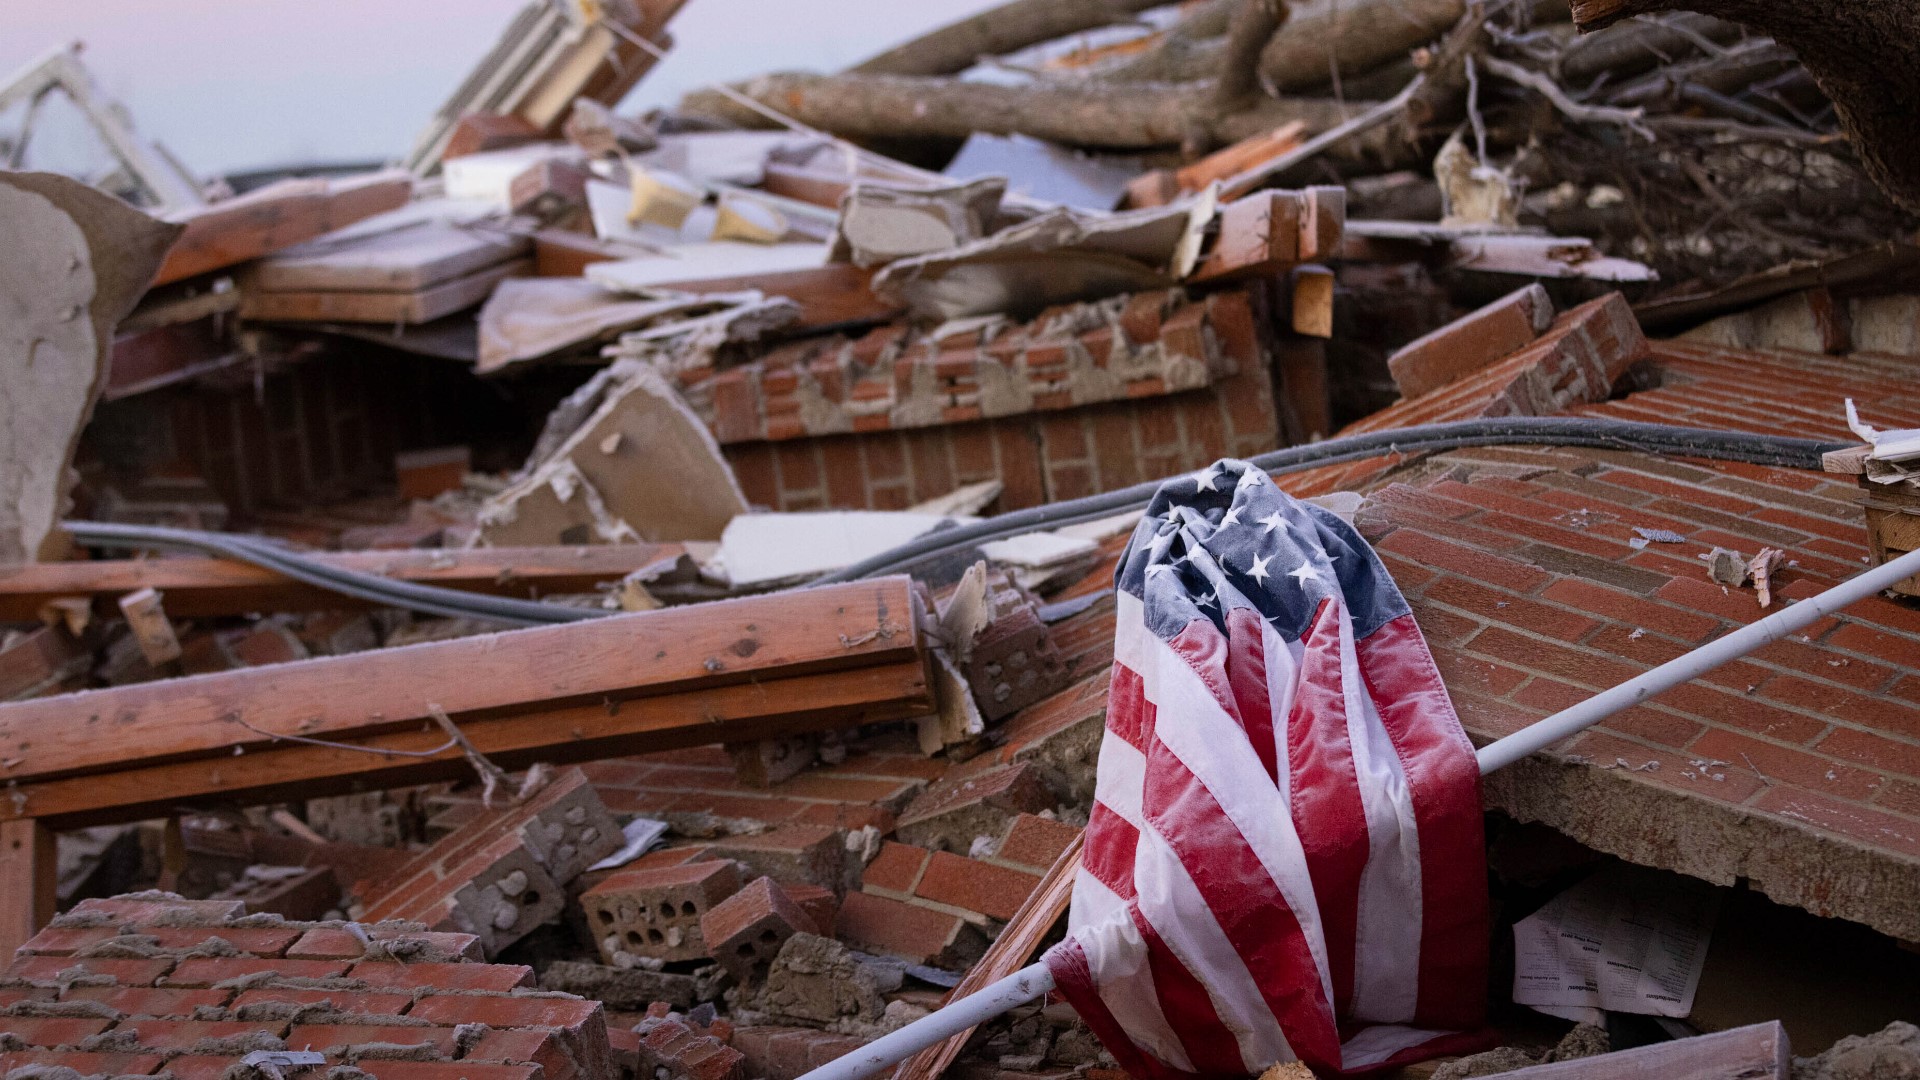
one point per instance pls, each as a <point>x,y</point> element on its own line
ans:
<point>27,881</point>
<point>617,725</point>
<point>1259,237</point>
<point>198,588</point>
<point>277,216</point>
<point>233,715</point>
<point>1754,1052</point>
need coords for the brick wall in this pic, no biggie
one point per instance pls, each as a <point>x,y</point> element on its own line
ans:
<point>1054,445</point>
<point>324,427</point>
<point>153,984</point>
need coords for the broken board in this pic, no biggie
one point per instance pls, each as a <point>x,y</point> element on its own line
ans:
<point>403,260</point>
<point>372,306</point>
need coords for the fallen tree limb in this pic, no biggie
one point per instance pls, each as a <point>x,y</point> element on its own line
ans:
<point>1862,55</point>
<point>1094,115</point>
<point>997,31</point>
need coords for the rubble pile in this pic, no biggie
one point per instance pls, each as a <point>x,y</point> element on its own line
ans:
<point>633,595</point>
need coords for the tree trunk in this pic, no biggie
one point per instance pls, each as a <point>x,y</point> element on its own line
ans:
<point>1358,35</point>
<point>996,32</point>
<point>1090,115</point>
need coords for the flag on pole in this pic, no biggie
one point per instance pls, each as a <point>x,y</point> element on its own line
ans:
<point>1284,859</point>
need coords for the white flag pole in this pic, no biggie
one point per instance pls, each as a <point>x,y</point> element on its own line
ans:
<point>1032,982</point>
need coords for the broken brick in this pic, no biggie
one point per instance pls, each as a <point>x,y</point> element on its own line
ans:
<point>745,931</point>
<point>656,912</point>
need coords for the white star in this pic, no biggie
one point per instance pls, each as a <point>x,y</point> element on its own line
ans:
<point>1203,480</point>
<point>1273,521</point>
<point>1305,574</point>
<point>1251,478</point>
<point>1232,518</point>
<point>1208,600</point>
<point>1160,543</point>
<point>1258,571</point>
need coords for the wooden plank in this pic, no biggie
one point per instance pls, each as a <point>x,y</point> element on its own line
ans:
<point>824,187</point>
<point>381,307</point>
<point>558,253</point>
<point>1009,953</point>
<point>612,726</point>
<point>41,660</point>
<point>199,588</point>
<point>1162,186</point>
<point>27,881</point>
<point>1755,1052</point>
<point>275,217</point>
<point>1313,301</point>
<point>672,650</point>
<point>1259,237</point>
<point>405,260</point>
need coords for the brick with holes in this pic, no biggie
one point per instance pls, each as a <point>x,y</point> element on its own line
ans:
<point>656,912</point>
<point>744,932</point>
<point>501,874</point>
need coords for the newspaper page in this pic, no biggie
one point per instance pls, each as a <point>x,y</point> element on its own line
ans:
<point>1626,940</point>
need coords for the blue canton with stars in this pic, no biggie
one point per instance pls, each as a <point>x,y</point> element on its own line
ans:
<point>1227,537</point>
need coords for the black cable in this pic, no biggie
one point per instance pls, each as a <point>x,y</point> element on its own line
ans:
<point>1590,432</point>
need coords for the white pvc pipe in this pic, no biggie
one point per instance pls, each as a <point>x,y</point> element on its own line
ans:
<point>1032,982</point>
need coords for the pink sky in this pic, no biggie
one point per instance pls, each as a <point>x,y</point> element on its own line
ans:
<point>236,84</point>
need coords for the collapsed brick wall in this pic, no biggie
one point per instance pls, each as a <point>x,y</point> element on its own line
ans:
<point>943,423</point>
<point>150,984</point>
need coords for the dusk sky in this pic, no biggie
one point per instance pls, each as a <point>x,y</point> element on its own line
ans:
<point>239,84</point>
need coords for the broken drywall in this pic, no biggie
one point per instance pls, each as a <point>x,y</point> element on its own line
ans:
<point>76,262</point>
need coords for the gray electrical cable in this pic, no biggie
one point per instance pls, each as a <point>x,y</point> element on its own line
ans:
<point>1540,431</point>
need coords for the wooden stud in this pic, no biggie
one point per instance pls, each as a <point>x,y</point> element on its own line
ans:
<point>27,881</point>
<point>1313,301</point>
<point>1259,236</point>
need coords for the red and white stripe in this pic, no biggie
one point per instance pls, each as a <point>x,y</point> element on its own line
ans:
<point>1284,857</point>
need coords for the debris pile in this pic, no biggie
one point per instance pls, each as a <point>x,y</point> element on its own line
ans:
<point>625,595</point>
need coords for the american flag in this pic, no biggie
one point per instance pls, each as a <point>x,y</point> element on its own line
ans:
<point>1284,859</point>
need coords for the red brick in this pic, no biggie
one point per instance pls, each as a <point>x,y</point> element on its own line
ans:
<point>328,944</point>
<point>1587,669</point>
<point>347,1001</point>
<point>83,1062</point>
<point>540,1046</point>
<point>745,931</point>
<point>65,940</point>
<point>1784,764</point>
<point>1857,638</point>
<point>383,1069</point>
<point>181,1035</point>
<point>1464,561</point>
<point>992,890</point>
<point>444,978</point>
<point>919,934</point>
<point>52,1030</point>
<point>895,870</point>
<point>506,1011</point>
<point>1894,717</point>
<point>258,940</point>
<point>124,972</point>
<point>331,1039</point>
<point>820,905</point>
<point>128,909</point>
<point>823,1048</point>
<point>1035,842</point>
<point>143,1001</point>
<point>1873,750</point>
<point>1496,606</point>
<point>1862,823</point>
<point>1467,344</point>
<point>205,971</point>
<point>1631,610</point>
